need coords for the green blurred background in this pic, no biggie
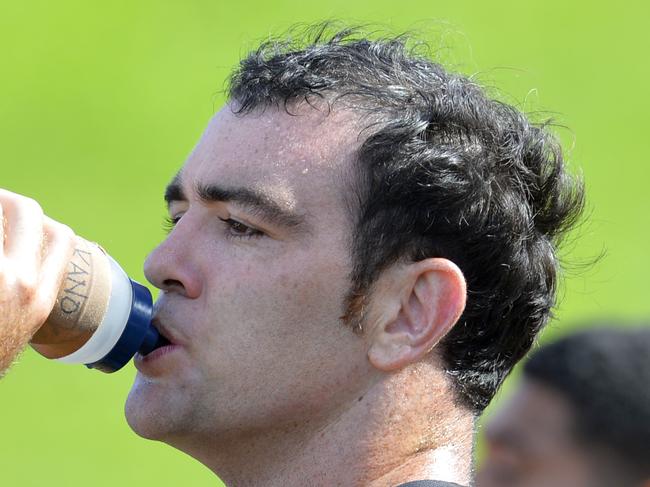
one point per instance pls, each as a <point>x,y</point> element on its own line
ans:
<point>100,102</point>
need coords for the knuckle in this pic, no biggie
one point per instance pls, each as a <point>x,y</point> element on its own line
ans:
<point>26,285</point>
<point>4,275</point>
<point>5,195</point>
<point>65,234</point>
<point>32,206</point>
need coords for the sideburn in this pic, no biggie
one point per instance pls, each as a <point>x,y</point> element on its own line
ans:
<point>354,315</point>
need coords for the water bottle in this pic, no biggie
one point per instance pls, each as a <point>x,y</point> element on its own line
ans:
<point>101,318</point>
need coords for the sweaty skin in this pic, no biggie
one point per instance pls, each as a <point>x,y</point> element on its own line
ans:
<point>262,382</point>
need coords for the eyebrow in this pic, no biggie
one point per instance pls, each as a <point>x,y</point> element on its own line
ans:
<point>255,201</point>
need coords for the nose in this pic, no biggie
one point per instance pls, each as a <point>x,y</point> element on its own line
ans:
<point>173,266</point>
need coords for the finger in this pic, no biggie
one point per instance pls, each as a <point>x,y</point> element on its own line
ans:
<point>23,235</point>
<point>57,252</point>
<point>2,230</point>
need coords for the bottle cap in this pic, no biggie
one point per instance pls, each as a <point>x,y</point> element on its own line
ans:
<point>138,334</point>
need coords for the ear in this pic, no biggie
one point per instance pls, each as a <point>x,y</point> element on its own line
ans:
<point>429,297</point>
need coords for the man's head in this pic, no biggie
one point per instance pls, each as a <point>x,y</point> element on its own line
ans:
<point>326,227</point>
<point>441,171</point>
<point>580,418</point>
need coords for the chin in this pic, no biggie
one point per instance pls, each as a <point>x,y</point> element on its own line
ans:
<point>145,412</point>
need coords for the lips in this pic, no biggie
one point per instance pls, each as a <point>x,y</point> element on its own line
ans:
<point>167,355</point>
<point>167,336</point>
<point>162,342</point>
<point>163,339</point>
<point>165,344</point>
<point>154,355</point>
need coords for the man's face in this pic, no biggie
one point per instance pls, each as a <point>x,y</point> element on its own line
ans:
<point>253,279</point>
<point>530,443</point>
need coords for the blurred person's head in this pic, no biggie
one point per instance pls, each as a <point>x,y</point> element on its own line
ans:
<point>358,236</point>
<point>579,418</point>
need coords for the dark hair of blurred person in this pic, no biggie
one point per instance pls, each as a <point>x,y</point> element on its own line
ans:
<point>580,417</point>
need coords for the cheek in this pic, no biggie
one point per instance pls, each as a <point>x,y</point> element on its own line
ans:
<point>279,318</point>
<point>283,295</point>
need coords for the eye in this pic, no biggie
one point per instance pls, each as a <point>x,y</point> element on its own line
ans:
<point>241,230</point>
<point>170,222</point>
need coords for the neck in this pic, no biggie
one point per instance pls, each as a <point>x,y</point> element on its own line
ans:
<point>374,441</point>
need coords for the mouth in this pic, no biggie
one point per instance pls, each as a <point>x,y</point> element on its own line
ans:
<point>165,345</point>
<point>163,335</point>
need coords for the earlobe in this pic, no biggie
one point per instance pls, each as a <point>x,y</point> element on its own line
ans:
<point>431,296</point>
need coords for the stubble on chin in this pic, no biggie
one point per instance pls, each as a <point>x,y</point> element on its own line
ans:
<point>143,410</point>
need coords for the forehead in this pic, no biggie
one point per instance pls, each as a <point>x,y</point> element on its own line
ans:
<point>300,157</point>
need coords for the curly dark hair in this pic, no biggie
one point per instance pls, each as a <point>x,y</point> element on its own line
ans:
<point>604,375</point>
<point>444,171</point>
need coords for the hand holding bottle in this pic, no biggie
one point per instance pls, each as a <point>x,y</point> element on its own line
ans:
<point>34,253</point>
